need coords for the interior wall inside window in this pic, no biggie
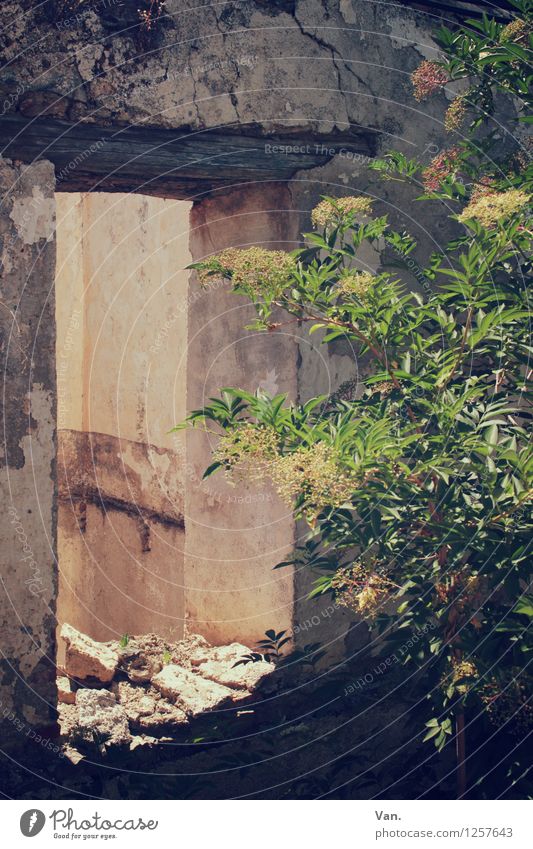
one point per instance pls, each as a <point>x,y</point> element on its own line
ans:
<point>121,295</point>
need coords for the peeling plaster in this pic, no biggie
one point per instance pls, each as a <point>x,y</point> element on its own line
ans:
<point>27,477</point>
<point>34,217</point>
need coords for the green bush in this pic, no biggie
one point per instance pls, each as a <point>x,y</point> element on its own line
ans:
<point>417,494</point>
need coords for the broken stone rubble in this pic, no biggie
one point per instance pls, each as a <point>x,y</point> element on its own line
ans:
<point>219,664</point>
<point>66,693</point>
<point>113,694</point>
<point>146,708</point>
<point>138,666</point>
<point>192,693</point>
<point>101,720</point>
<point>85,659</point>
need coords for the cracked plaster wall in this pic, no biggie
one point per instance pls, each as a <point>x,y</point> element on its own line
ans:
<point>304,68</point>
<point>27,467</point>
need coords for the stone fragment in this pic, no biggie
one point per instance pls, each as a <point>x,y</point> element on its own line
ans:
<point>65,694</point>
<point>146,706</point>
<point>147,709</point>
<point>138,666</point>
<point>243,677</point>
<point>165,715</point>
<point>67,717</point>
<point>86,659</point>
<point>192,693</point>
<point>101,720</point>
<point>218,664</point>
<point>142,740</point>
<point>72,754</point>
<point>190,646</point>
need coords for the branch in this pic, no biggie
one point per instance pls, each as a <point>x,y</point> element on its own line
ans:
<point>466,331</point>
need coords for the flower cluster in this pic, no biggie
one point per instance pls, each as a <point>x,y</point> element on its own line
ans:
<point>491,208</point>
<point>462,676</point>
<point>384,388</point>
<point>464,590</point>
<point>484,186</point>
<point>356,283</point>
<point>331,211</point>
<point>151,15</point>
<point>507,702</point>
<point>517,31</point>
<point>521,159</point>
<point>361,588</point>
<point>428,78</point>
<point>455,114</point>
<point>317,473</point>
<point>247,451</point>
<point>441,166</point>
<point>255,270</point>
<point>252,452</point>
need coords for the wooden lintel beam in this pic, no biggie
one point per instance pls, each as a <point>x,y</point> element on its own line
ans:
<point>169,163</point>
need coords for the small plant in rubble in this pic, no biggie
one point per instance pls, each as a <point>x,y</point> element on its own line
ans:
<point>268,649</point>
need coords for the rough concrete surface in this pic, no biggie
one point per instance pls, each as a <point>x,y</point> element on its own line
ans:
<point>143,540</point>
<point>27,458</point>
<point>103,696</point>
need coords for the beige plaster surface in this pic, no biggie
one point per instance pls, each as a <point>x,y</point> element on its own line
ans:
<point>121,289</point>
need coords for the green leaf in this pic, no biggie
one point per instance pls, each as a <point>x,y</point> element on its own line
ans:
<point>212,468</point>
<point>491,434</point>
<point>430,734</point>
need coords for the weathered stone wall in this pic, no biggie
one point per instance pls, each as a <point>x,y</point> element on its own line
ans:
<point>322,73</point>
<point>322,67</point>
<point>27,466</point>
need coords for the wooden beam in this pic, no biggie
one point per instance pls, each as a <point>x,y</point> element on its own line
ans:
<point>168,163</point>
<point>501,10</point>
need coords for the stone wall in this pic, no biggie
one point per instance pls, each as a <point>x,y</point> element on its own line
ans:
<point>322,73</point>
<point>27,467</point>
<point>325,68</point>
